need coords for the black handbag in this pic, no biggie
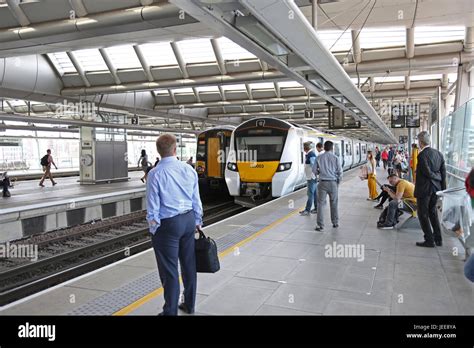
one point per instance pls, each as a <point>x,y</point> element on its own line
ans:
<point>207,260</point>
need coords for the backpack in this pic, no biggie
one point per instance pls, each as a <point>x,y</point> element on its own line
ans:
<point>44,160</point>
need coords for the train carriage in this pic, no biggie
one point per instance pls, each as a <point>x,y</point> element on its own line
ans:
<point>211,156</point>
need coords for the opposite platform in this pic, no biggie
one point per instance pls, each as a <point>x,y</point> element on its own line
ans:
<point>32,209</point>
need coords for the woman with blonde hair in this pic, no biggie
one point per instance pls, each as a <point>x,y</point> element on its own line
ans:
<point>371,182</point>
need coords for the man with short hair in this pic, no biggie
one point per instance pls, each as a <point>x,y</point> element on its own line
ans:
<point>404,193</point>
<point>430,178</point>
<point>312,184</point>
<point>328,168</point>
<point>46,162</point>
<point>174,212</point>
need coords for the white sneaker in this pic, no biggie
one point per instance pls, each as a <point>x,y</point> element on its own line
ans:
<point>304,213</point>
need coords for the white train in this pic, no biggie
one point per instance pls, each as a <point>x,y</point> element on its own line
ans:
<point>266,158</point>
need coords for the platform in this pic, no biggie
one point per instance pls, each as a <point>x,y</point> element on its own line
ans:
<point>33,209</point>
<point>273,262</point>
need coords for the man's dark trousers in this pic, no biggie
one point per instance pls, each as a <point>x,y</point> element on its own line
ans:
<point>427,214</point>
<point>174,240</point>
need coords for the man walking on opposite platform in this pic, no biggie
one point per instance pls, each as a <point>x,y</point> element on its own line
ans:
<point>311,183</point>
<point>328,167</point>
<point>174,211</point>
<point>430,177</point>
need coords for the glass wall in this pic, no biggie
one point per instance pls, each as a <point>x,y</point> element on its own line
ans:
<point>21,151</point>
<point>457,143</point>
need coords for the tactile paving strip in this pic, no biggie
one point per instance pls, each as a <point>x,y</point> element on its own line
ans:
<point>113,301</point>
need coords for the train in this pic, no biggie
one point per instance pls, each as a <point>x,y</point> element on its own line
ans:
<point>211,157</point>
<point>264,157</point>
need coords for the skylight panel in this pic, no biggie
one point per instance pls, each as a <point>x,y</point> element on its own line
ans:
<point>62,62</point>
<point>382,37</point>
<point>159,54</point>
<point>196,51</point>
<point>237,87</point>
<point>182,90</point>
<point>262,85</point>
<point>123,57</point>
<point>208,89</point>
<point>425,77</point>
<point>384,79</point>
<point>333,40</point>
<point>425,35</point>
<point>90,60</point>
<point>231,51</point>
<point>289,84</point>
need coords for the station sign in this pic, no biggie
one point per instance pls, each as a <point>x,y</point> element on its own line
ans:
<point>398,117</point>
<point>309,113</point>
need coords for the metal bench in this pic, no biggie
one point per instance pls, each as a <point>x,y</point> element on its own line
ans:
<point>412,222</point>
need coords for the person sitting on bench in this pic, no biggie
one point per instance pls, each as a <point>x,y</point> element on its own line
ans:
<point>404,193</point>
<point>384,195</point>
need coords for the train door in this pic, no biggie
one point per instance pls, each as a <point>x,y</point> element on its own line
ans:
<point>214,169</point>
<point>357,152</point>
<point>348,153</point>
<point>337,151</point>
<point>224,142</point>
<point>342,153</point>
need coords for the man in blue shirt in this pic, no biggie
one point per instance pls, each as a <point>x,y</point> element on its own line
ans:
<point>328,168</point>
<point>174,211</point>
<point>311,183</point>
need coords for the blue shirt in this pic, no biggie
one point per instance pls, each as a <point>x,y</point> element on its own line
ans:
<point>172,189</point>
<point>328,167</point>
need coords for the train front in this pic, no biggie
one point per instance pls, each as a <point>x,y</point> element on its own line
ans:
<point>255,169</point>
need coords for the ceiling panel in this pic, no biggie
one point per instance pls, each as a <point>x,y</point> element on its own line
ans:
<point>132,75</point>
<point>94,6</point>
<point>46,10</point>
<point>209,69</point>
<point>7,20</point>
<point>166,73</point>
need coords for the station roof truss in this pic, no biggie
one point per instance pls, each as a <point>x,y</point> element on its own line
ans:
<point>178,73</point>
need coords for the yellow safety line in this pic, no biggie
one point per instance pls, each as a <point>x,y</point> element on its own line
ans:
<point>131,307</point>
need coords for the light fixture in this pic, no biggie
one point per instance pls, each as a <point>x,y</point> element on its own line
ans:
<point>257,32</point>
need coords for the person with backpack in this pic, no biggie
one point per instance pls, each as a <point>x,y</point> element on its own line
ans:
<point>46,162</point>
<point>143,162</point>
<point>5,184</point>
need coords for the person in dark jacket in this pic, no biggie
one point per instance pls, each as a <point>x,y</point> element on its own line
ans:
<point>5,184</point>
<point>430,178</point>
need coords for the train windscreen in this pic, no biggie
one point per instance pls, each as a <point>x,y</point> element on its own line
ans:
<point>259,148</point>
<point>201,150</point>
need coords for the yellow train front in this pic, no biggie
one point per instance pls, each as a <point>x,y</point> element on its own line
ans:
<point>266,160</point>
<point>211,156</point>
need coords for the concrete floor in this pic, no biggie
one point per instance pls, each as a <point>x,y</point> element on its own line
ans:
<point>284,270</point>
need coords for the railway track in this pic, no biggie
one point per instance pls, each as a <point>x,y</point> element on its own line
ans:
<point>66,254</point>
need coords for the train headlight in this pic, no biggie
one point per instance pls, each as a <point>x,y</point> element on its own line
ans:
<point>232,166</point>
<point>283,166</point>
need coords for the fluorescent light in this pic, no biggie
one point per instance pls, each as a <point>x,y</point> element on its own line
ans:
<point>250,26</point>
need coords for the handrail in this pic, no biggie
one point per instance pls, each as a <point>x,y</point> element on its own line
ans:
<point>457,168</point>
<point>456,176</point>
